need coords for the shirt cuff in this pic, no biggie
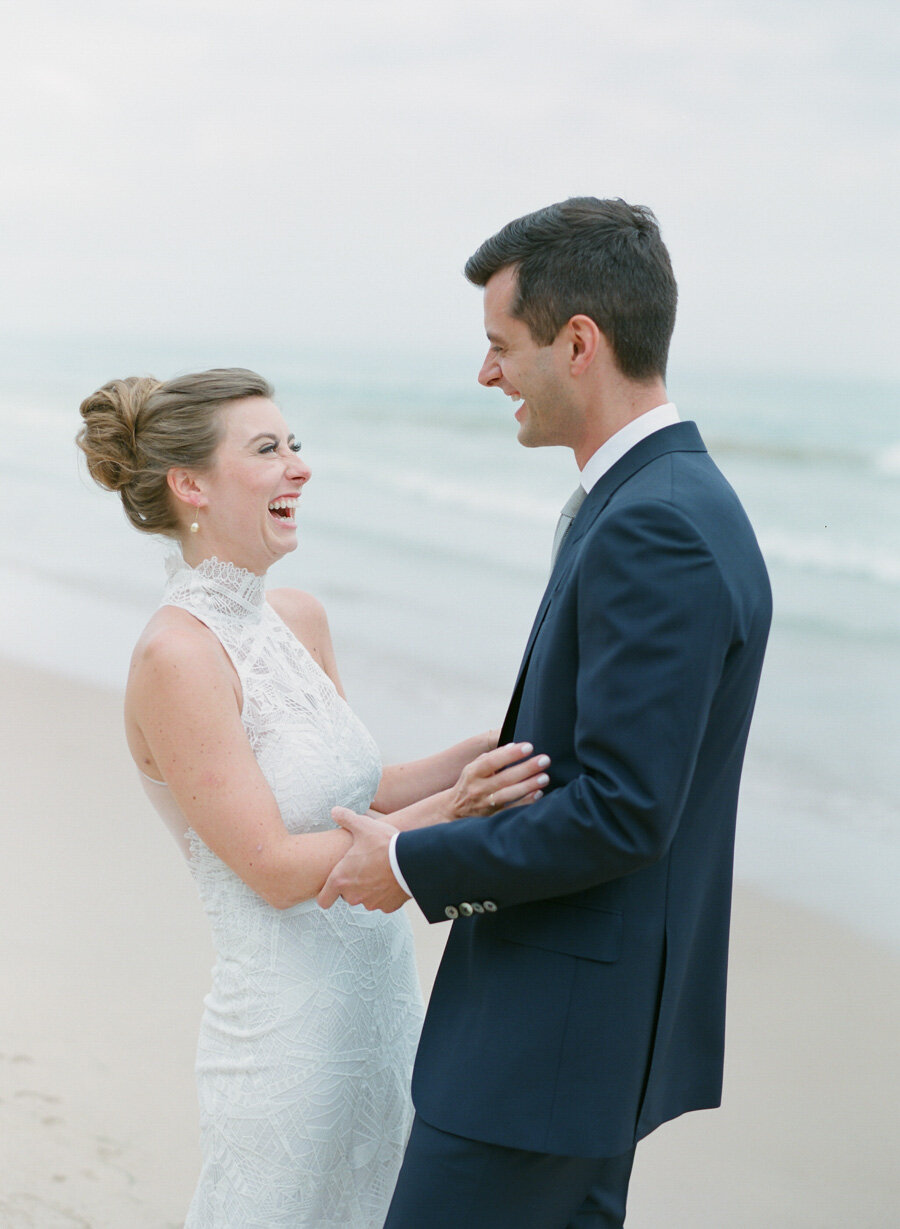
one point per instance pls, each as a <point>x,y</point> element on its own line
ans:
<point>395,865</point>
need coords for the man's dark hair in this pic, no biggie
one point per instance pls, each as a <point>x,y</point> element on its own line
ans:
<point>599,258</point>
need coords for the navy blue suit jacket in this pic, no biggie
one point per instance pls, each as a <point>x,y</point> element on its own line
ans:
<point>590,1006</point>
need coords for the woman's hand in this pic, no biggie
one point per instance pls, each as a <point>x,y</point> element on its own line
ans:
<point>497,779</point>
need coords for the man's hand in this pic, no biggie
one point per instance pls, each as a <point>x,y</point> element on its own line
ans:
<point>363,876</point>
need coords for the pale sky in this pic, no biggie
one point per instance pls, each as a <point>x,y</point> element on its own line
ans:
<point>317,171</point>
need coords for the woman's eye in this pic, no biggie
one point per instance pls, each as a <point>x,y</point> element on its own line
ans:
<point>294,446</point>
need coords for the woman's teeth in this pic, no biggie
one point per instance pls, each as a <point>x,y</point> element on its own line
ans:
<point>284,509</point>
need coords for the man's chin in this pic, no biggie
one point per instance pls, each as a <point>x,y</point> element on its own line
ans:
<point>525,435</point>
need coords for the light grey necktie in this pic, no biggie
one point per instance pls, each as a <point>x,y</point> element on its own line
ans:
<point>566,517</point>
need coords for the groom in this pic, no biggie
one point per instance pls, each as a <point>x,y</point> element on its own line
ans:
<point>581,998</point>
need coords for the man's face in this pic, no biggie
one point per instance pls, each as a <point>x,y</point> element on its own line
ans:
<point>524,370</point>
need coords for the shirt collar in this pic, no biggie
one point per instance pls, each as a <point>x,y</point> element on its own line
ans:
<point>624,440</point>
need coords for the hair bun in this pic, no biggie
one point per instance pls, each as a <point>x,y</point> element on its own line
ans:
<point>109,436</point>
<point>135,431</point>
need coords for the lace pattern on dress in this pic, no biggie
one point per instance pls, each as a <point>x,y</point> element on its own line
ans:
<point>310,1027</point>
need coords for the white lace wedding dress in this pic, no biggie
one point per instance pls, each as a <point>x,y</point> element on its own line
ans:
<point>309,1030</point>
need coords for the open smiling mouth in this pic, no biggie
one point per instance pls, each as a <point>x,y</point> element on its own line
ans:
<point>283,509</point>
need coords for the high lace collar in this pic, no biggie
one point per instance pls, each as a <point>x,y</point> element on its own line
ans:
<point>214,586</point>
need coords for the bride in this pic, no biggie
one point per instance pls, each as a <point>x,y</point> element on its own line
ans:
<point>237,721</point>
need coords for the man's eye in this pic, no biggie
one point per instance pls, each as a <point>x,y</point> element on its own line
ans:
<point>267,448</point>
<point>295,446</point>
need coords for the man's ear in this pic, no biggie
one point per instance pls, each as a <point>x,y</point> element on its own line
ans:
<point>585,342</point>
<point>187,490</point>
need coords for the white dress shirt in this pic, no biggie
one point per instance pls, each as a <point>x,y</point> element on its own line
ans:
<point>595,467</point>
<point>624,440</point>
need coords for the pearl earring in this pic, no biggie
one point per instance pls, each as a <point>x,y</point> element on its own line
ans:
<point>195,526</point>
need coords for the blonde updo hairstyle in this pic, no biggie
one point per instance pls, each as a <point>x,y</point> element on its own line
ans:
<point>137,429</point>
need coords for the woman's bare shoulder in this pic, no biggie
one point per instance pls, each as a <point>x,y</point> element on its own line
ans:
<point>172,630</point>
<point>178,669</point>
<point>306,618</point>
<point>304,614</point>
<point>174,639</point>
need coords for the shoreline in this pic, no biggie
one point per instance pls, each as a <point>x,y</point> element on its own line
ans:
<point>108,956</point>
<point>818,825</point>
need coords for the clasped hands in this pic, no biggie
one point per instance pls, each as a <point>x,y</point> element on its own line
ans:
<point>500,778</point>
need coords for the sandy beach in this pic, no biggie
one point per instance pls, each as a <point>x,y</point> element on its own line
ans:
<point>106,959</point>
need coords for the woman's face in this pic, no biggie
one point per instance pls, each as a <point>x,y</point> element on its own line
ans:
<point>248,497</point>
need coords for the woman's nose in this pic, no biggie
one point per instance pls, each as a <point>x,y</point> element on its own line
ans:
<point>298,469</point>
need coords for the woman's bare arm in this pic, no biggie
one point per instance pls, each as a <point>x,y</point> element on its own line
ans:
<point>183,703</point>
<point>507,776</point>
<point>403,784</point>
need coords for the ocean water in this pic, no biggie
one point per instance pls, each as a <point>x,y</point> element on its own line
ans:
<point>426,531</point>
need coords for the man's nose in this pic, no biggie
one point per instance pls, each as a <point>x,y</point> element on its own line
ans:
<point>490,371</point>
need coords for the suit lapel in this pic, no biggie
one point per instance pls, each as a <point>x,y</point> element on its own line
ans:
<point>680,437</point>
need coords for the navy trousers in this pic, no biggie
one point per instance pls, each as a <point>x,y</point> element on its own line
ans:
<point>447,1181</point>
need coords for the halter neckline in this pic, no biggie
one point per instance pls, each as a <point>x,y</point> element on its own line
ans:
<point>217,585</point>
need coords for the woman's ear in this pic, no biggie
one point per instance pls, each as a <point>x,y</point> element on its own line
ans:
<point>187,490</point>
